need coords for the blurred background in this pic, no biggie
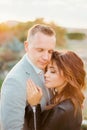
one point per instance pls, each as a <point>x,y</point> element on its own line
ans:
<point>68,18</point>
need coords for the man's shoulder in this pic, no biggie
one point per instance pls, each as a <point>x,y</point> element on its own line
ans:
<point>18,67</point>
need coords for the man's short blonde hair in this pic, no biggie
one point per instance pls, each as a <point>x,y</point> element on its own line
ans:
<point>47,30</point>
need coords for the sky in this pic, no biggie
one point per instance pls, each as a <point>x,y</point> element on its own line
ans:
<point>66,13</point>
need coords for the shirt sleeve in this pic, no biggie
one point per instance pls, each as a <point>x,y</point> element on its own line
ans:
<point>29,117</point>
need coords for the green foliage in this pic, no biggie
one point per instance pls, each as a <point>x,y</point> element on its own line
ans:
<point>76,36</point>
<point>60,34</point>
<point>21,29</point>
<point>84,127</point>
<point>1,83</point>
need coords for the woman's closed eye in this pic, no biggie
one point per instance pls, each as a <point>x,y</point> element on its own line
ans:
<point>53,71</point>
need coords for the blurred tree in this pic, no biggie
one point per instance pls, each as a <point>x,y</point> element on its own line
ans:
<point>1,81</point>
<point>76,36</point>
<point>20,30</point>
<point>60,34</point>
<point>4,27</point>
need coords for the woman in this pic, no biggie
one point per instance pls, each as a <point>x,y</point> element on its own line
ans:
<point>65,77</point>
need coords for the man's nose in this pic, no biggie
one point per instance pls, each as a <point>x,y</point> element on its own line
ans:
<point>46,56</point>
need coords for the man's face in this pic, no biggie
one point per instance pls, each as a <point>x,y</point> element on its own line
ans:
<point>40,49</point>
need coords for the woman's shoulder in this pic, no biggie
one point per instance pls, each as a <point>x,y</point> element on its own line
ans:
<point>65,105</point>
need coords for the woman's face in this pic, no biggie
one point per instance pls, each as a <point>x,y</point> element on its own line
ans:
<point>53,77</point>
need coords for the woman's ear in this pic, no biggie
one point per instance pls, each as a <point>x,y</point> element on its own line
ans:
<point>26,44</point>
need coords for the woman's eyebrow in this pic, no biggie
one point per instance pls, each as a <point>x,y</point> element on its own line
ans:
<point>51,67</point>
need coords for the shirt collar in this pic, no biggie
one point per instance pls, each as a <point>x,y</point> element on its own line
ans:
<point>37,70</point>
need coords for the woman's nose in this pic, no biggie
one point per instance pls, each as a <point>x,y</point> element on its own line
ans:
<point>46,74</point>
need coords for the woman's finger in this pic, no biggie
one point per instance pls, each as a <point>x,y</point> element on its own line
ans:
<point>40,90</point>
<point>34,86</point>
<point>34,93</point>
<point>31,89</point>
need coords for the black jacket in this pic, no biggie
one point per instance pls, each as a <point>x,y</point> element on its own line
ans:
<point>60,117</point>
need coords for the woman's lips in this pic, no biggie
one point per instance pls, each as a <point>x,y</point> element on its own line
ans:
<point>46,81</point>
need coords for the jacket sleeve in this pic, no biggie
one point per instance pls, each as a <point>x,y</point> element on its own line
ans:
<point>53,119</point>
<point>13,102</point>
<point>29,117</point>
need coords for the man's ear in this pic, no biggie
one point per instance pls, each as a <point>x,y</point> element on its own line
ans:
<point>26,44</point>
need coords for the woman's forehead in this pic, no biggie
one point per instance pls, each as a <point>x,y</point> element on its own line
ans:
<point>52,64</point>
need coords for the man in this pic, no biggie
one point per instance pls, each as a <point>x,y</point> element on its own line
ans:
<point>39,46</point>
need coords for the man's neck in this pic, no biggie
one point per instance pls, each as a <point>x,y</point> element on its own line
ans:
<point>35,67</point>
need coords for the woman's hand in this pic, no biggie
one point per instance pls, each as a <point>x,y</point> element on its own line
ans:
<point>34,93</point>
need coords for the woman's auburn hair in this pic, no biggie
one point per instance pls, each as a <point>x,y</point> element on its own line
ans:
<point>73,69</point>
